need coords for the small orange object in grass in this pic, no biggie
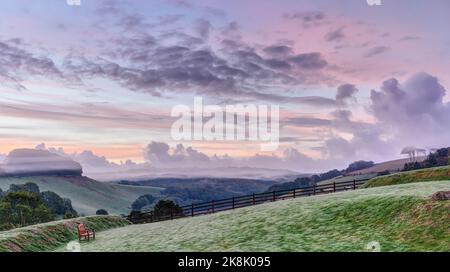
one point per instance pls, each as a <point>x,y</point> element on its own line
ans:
<point>85,233</point>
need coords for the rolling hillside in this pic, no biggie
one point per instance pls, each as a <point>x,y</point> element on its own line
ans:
<point>347,179</point>
<point>399,218</point>
<point>87,195</point>
<point>47,236</point>
<point>392,166</point>
<point>428,174</point>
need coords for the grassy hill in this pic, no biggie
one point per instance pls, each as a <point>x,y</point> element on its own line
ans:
<point>87,195</point>
<point>429,174</point>
<point>398,217</point>
<point>392,166</point>
<point>347,179</point>
<point>53,234</point>
<point>193,190</point>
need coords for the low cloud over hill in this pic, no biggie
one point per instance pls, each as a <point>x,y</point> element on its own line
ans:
<point>34,161</point>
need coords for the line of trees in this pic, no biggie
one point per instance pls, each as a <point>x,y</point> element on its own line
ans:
<point>160,207</point>
<point>440,157</point>
<point>24,205</point>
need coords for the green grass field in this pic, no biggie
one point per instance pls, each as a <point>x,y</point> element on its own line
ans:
<point>399,218</point>
<point>50,235</point>
<point>429,174</point>
<point>87,195</point>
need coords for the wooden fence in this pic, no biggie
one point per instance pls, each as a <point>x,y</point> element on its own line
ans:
<point>214,206</point>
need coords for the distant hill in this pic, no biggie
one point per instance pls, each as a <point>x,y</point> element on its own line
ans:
<point>149,173</point>
<point>428,174</point>
<point>188,190</point>
<point>87,195</point>
<point>391,166</point>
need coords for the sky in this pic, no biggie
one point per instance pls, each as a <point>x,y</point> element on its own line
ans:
<point>98,81</point>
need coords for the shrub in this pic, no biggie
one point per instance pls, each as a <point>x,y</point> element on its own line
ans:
<point>70,216</point>
<point>166,207</point>
<point>101,212</point>
<point>359,165</point>
<point>384,173</point>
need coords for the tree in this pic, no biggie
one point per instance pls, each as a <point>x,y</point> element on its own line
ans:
<point>359,165</point>
<point>432,160</point>
<point>70,215</point>
<point>101,212</point>
<point>443,152</point>
<point>23,208</point>
<point>27,187</point>
<point>58,205</point>
<point>166,207</point>
<point>330,174</point>
<point>54,202</point>
<point>142,201</point>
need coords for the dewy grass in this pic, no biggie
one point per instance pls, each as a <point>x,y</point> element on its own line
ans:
<point>431,174</point>
<point>50,235</point>
<point>399,218</point>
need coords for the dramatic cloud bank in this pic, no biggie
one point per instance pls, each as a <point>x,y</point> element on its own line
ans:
<point>413,111</point>
<point>101,79</point>
<point>409,113</point>
<point>23,161</point>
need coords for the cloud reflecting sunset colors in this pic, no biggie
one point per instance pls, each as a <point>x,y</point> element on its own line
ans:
<point>353,81</point>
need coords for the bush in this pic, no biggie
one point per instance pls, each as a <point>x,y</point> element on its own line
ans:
<point>166,207</point>
<point>384,173</point>
<point>359,165</point>
<point>101,212</point>
<point>70,216</point>
<point>412,166</point>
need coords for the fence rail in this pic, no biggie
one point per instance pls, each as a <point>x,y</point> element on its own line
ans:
<point>213,206</point>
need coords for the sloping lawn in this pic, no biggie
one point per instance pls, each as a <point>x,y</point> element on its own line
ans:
<point>399,218</point>
<point>50,235</point>
<point>430,174</point>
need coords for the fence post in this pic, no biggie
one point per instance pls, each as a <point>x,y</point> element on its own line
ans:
<point>151,216</point>
<point>253,198</point>
<point>314,189</point>
<point>334,187</point>
<point>233,203</point>
<point>354,184</point>
<point>294,192</point>
<point>192,209</point>
<point>212,204</point>
<point>273,196</point>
